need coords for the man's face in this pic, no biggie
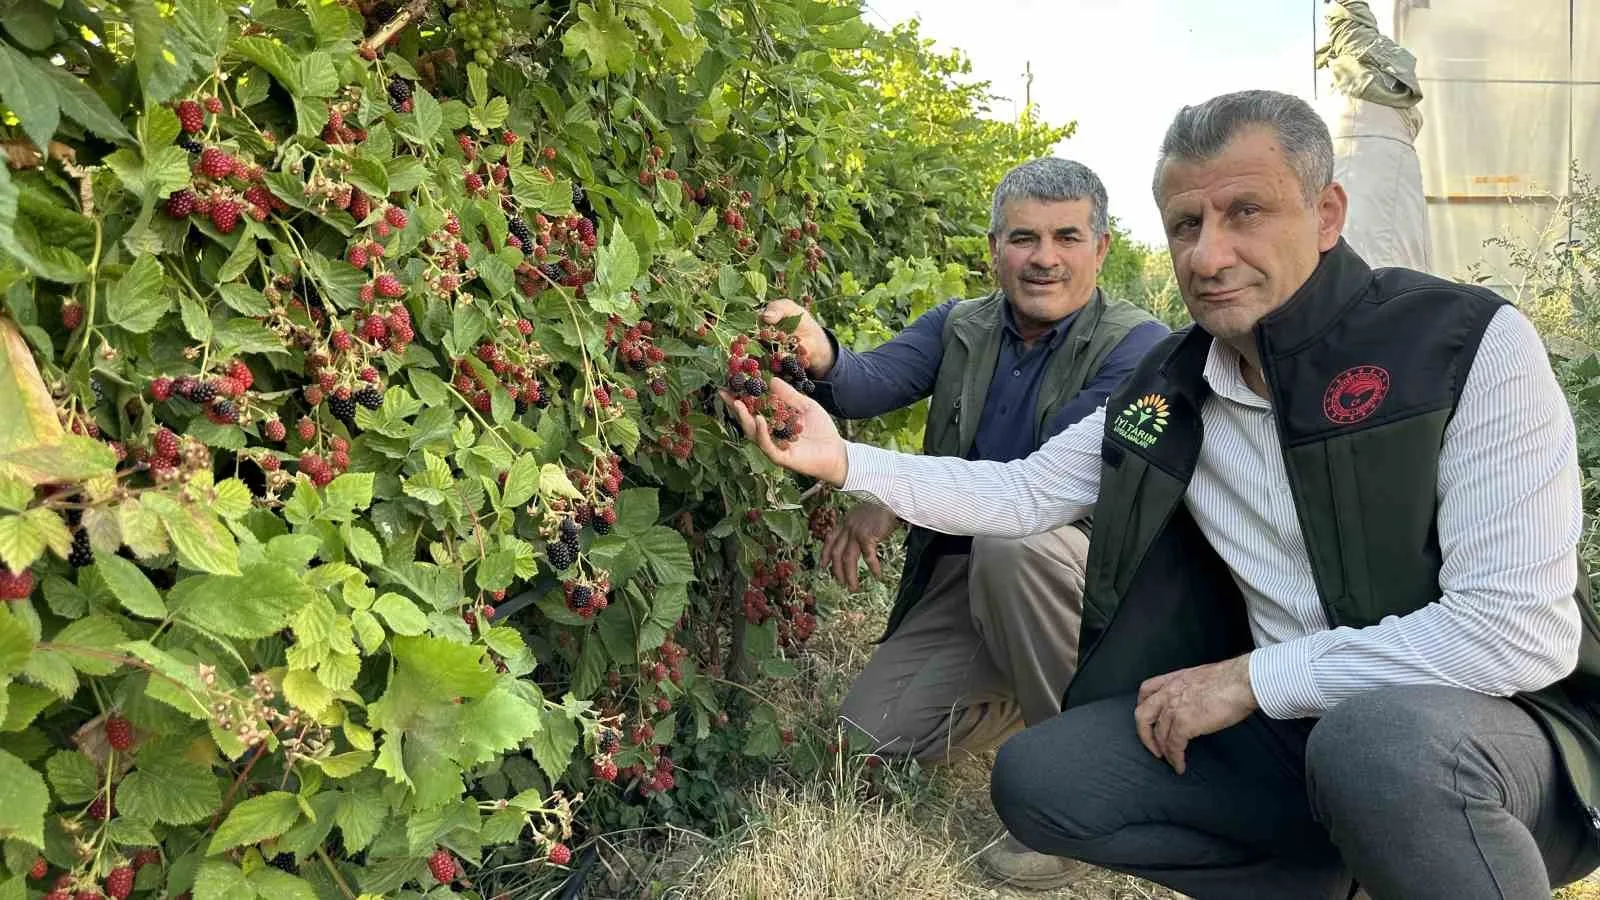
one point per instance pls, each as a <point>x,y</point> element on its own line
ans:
<point>1046,259</point>
<point>1243,238</point>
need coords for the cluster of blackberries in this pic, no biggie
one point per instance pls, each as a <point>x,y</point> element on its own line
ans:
<point>399,94</point>
<point>564,552</point>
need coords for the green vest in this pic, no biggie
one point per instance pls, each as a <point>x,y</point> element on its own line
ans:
<point>972,335</point>
<point>1365,369</point>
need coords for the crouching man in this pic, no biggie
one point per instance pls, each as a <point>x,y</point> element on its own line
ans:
<point>1334,624</point>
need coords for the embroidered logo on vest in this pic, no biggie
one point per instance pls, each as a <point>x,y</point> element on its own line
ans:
<point>1354,394</point>
<point>1143,421</point>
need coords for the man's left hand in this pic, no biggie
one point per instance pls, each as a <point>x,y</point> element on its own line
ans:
<point>1180,706</point>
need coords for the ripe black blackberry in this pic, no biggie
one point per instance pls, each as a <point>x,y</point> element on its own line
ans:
<point>736,383</point>
<point>610,740</point>
<point>82,554</point>
<point>600,526</point>
<point>342,405</point>
<point>399,93</point>
<point>582,596</point>
<point>203,392</point>
<point>285,862</point>
<point>561,554</point>
<point>516,226</point>
<point>755,387</point>
<point>552,271</point>
<point>369,396</point>
<point>520,404</point>
<point>781,433</point>
<point>790,369</point>
<point>578,197</point>
<point>805,385</point>
<point>225,411</point>
<point>569,530</point>
<point>190,145</point>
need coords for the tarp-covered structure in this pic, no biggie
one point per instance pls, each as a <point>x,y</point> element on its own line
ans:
<point>1510,99</point>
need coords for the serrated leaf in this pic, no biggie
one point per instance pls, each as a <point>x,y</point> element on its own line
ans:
<point>196,320</point>
<point>504,826</point>
<point>202,543</point>
<point>244,299</point>
<point>360,815</point>
<point>402,615</point>
<point>34,104</point>
<point>52,670</point>
<point>72,776</point>
<point>363,546</point>
<point>255,820</point>
<point>95,633</point>
<point>343,765</point>
<point>22,704</point>
<point>521,481</point>
<point>330,21</point>
<point>554,742</point>
<point>350,491</point>
<point>131,587</point>
<point>64,458</point>
<point>426,117</point>
<point>136,302</point>
<point>498,722</point>
<point>16,644</point>
<point>257,603</point>
<point>23,800</point>
<point>390,761</point>
<point>553,482</point>
<point>131,832</point>
<point>369,634</point>
<point>230,499</point>
<point>603,38</point>
<point>618,262</point>
<point>241,259</point>
<point>667,554</point>
<point>303,691</point>
<point>219,880</point>
<point>442,667</point>
<point>170,790</point>
<point>78,102</point>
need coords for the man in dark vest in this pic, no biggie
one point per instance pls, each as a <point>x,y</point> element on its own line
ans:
<point>1335,628</point>
<point>983,635</point>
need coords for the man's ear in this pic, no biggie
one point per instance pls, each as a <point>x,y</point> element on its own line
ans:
<point>1333,204</point>
<point>1103,248</point>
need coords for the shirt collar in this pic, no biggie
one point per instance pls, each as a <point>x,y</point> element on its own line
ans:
<point>1223,375</point>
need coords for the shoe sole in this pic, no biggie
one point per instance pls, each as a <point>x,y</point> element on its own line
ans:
<point>1036,882</point>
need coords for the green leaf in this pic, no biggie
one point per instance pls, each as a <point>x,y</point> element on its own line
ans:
<point>302,689</point>
<point>23,538</point>
<point>127,830</point>
<point>257,603</point>
<point>255,820</point>
<point>16,644</point>
<point>241,259</point>
<point>443,667</point>
<point>22,704</point>
<point>554,742</point>
<point>330,21</point>
<point>390,759</point>
<point>136,302</point>
<point>23,799</point>
<point>131,587</point>
<point>521,481</point>
<point>553,482</point>
<point>667,554</point>
<point>350,491</point>
<point>244,299</point>
<point>79,102</point>
<point>360,815</point>
<point>159,52</point>
<point>196,320</point>
<point>276,885</point>
<point>402,615</point>
<point>272,56</point>
<point>202,543</point>
<point>34,104</point>
<point>230,498</point>
<point>504,826</point>
<point>344,765</point>
<point>219,880</point>
<point>73,777</point>
<point>426,117</point>
<point>171,790</point>
<point>498,722</point>
<point>54,672</point>
<point>363,546</point>
<point>618,262</point>
<point>65,458</point>
<point>604,38</point>
<point>369,175</point>
<point>637,511</point>
<point>101,633</point>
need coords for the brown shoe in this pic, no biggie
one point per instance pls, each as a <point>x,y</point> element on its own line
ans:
<point>1014,864</point>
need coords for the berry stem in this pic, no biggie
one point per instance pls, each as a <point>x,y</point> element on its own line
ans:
<point>333,870</point>
<point>413,10</point>
<point>94,278</point>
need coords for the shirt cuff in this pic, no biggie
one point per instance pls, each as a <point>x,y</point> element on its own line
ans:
<point>1282,680</point>
<point>870,470</point>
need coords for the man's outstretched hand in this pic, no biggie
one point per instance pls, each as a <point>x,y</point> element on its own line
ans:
<point>819,351</point>
<point>818,451</point>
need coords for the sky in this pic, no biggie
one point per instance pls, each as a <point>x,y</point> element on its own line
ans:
<point>1120,69</point>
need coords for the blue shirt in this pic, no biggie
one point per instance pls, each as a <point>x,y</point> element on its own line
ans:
<point>903,370</point>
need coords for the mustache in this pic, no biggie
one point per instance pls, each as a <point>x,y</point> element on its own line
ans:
<point>1043,274</point>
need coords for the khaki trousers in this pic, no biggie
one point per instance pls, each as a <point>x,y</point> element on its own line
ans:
<point>988,650</point>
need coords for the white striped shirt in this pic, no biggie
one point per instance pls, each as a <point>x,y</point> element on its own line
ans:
<point>1510,516</point>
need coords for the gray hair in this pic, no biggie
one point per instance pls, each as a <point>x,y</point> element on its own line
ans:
<point>1051,179</point>
<point>1199,133</point>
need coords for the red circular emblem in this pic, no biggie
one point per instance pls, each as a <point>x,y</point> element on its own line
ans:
<point>1354,394</point>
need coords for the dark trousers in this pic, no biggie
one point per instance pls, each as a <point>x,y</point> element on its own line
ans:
<point>1414,792</point>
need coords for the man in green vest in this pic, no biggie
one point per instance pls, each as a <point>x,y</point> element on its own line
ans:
<point>983,636</point>
<point>1335,628</point>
